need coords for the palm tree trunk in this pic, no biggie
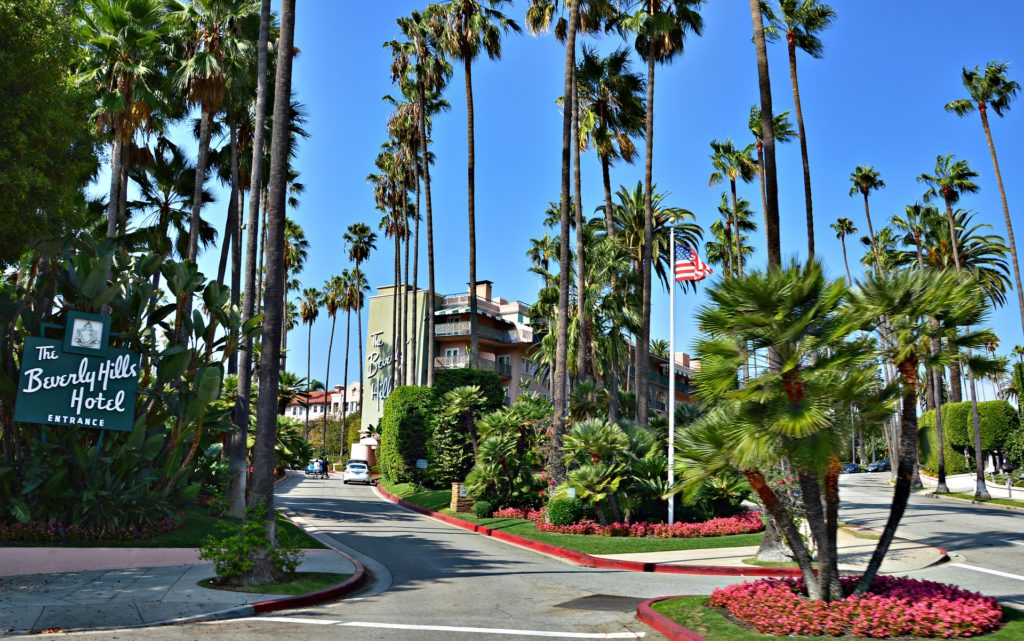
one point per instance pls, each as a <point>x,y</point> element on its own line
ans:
<point>197,195</point>
<point>1006,213</point>
<point>760,180</point>
<point>236,269</point>
<point>904,472</point>
<point>406,317</point>
<point>344,389</point>
<point>846,263</point>
<point>936,377</point>
<point>231,224</point>
<point>309,380</point>
<point>284,324</point>
<point>613,365</point>
<point>327,385</point>
<point>394,314</point>
<point>736,231</point>
<point>260,291</point>
<point>122,221</point>
<point>771,188</point>
<point>415,319</point>
<point>266,410</point>
<point>583,363</point>
<point>781,516</point>
<point>239,438</point>
<point>474,340</point>
<point>871,234</point>
<point>114,200</point>
<point>803,145</point>
<point>555,464</point>
<point>431,344</point>
<point>643,342</point>
<point>359,325</point>
<point>956,391</point>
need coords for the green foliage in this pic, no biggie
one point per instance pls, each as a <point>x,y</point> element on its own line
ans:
<point>447,380</point>
<point>405,429</point>
<point>997,419</point>
<point>1015,446</point>
<point>483,509</point>
<point>47,145</point>
<point>234,556</point>
<point>565,511</point>
<point>929,444</point>
<point>449,452</point>
<point>351,433</point>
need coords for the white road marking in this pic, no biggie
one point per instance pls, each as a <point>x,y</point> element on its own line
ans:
<point>525,633</point>
<point>1015,542</point>
<point>293,620</point>
<point>987,571</point>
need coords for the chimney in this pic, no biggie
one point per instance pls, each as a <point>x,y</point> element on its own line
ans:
<point>484,289</point>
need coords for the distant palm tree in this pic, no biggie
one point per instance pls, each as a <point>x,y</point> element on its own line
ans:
<point>731,164</point>
<point>865,179</point>
<point>360,241</point>
<point>349,285</point>
<point>801,21</point>
<point>730,235</point>
<point>309,310</point>
<point>844,227</point>
<point>296,250</point>
<point>334,301</point>
<point>991,88</point>
<point>771,185</point>
<point>659,347</point>
<point>783,133</point>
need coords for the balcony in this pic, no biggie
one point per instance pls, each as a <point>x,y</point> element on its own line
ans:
<point>463,361</point>
<point>658,406</point>
<point>483,331</point>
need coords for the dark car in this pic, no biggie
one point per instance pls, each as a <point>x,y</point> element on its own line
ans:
<point>880,466</point>
<point>851,468</point>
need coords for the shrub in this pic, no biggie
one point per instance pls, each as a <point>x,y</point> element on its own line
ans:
<point>404,431</point>
<point>995,418</point>
<point>747,523</point>
<point>490,386</point>
<point>564,511</point>
<point>893,607</point>
<point>929,444</point>
<point>234,556</point>
<point>449,452</point>
<point>483,509</point>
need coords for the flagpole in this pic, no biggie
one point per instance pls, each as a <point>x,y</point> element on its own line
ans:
<point>672,375</point>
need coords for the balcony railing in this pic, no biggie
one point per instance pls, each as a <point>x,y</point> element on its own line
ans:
<point>483,331</point>
<point>462,361</point>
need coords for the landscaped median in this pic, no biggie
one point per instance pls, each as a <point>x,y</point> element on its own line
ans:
<point>577,548</point>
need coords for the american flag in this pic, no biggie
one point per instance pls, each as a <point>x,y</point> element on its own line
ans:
<point>689,266</point>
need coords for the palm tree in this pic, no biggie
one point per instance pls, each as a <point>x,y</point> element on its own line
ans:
<point>264,569</point>
<point>661,27</point>
<point>360,241</point>
<point>801,21</point>
<point>843,228</point>
<point>866,179</point>
<point>349,285</point>
<point>124,44</point>
<point>334,300</point>
<point>783,131</point>
<point>731,164</point>
<point>468,27</point>
<point>296,250</point>
<point>914,222</point>
<point>991,88</point>
<point>309,309</point>
<point>659,347</point>
<point>771,185</point>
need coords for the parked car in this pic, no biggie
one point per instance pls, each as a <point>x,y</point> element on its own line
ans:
<point>356,472</point>
<point>851,468</point>
<point>309,468</point>
<point>880,466</point>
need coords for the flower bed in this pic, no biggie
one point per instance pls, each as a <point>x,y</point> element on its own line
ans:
<point>54,532</point>
<point>894,607</point>
<point>746,523</point>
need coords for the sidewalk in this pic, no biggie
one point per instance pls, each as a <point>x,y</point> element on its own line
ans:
<point>965,483</point>
<point>854,554</point>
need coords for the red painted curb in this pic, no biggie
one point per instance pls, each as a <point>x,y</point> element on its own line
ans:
<point>673,631</point>
<point>586,560</point>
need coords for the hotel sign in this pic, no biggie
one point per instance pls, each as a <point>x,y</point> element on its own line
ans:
<point>79,380</point>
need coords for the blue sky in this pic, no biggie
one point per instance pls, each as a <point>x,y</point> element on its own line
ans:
<point>875,98</point>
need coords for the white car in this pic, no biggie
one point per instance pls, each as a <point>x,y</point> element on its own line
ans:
<point>356,473</point>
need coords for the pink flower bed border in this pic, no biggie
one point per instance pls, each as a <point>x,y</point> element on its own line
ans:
<point>894,607</point>
<point>746,523</point>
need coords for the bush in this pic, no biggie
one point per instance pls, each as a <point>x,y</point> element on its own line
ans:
<point>449,452</point>
<point>483,509</point>
<point>490,386</point>
<point>746,523</point>
<point>234,556</point>
<point>996,419</point>
<point>565,511</point>
<point>894,607</point>
<point>405,429</point>
<point>929,444</point>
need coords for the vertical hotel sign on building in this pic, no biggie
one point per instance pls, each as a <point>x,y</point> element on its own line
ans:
<point>80,380</point>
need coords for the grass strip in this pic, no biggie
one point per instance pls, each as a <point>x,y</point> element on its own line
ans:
<point>966,496</point>
<point>303,583</point>
<point>693,612</point>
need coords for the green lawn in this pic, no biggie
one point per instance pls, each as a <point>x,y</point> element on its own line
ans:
<point>693,613</point>
<point>438,500</point>
<point>303,583</point>
<point>998,501</point>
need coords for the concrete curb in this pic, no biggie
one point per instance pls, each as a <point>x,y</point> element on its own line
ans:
<point>981,504</point>
<point>587,560</point>
<point>673,631</point>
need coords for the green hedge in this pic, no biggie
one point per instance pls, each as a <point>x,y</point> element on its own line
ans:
<point>490,386</point>
<point>997,420</point>
<point>928,443</point>
<point>405,430</point>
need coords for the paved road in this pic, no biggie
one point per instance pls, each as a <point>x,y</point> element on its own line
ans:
<point>986,543</point>
<point>428,574</point>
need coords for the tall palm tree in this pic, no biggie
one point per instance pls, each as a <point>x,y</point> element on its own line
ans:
<point>866,179</point>
<point>334,300</point>
<point>731,164</point>
<point>468,27</point>
<point>360,241</point>
<point>123,40</point>
<point>730,235</point>
<point>951,179</point>
<point>914,223</point>
<point>661,27</point>
<point>349,284</point>
<point>771,185</point>
<point>844,227</point>
<point>801,21</point>
<point>991,88</point>
<point>783,131</point>
<point>264,570</point>
<point>309,310</point>
<point>296,250</point>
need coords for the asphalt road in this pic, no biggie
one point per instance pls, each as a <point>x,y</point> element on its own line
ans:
<point>986,544</point>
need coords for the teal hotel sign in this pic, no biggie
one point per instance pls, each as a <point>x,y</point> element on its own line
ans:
<point>80,380</point>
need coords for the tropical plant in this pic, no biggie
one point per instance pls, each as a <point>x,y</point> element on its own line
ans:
<point>768,170</point>
<point>865,179</point>
<point>731,164</point>
<point>782,131</point>
<point>844,227</point>
<point>309,310</point>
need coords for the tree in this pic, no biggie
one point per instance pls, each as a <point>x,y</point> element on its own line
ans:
<point>264,569</point>
<point>334,300</point>
<point>296,250</point>
<point>801,21</point>
<point>843,228</point>
<point>360,241</point>
<point>47,149</point>
<point>309,310</point>
<point>783,132</point>
<point>991,88</point>
<point>661,27</point>
<point>731,164</point>
<point>659,347</point>
<point>866,179</point>
<point>771,185</point>
<point>468,27</point>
